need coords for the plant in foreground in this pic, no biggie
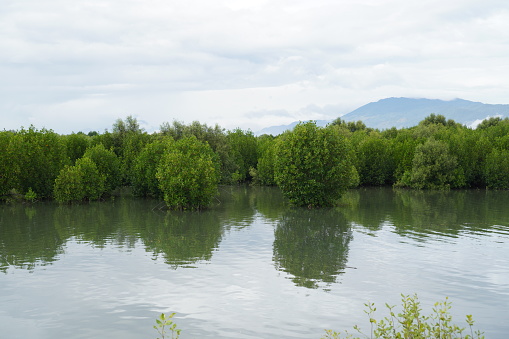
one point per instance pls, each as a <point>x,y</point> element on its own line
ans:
<point>165,323</point>
<point>30,196</point>
<point>410,323</point>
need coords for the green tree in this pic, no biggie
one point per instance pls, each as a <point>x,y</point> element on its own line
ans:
<point>38,156</point>
<point>214,136</point>
<point>108,165</point>
<point>132,146</point>
<point>264,172</point>
<point>375,162</point>
<point>76,145</point>
<point>351,126</point>
<point>497,169</point>
<point>79,182</point>
<point>437,119</point>
<point>9,167</point>
<point>243,148</point>
<point>145,166</point>
<point>487,123</point>
<point>402,144</point>
<point>188,174</point>
<point>69,185</point>
<point>434,167</point>
<point>313,165</point>
<point>107,139</point>
<point>126,140</point>
<point>94,182</point>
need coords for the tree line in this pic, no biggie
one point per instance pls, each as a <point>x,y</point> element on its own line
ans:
<point>184,163</point>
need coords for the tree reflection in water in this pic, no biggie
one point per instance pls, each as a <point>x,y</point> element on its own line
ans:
<point>312,245</point>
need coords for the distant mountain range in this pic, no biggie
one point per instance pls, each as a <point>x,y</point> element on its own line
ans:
<point>408,112</point>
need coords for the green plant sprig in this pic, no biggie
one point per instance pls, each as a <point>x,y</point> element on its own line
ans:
<point>164,323</point>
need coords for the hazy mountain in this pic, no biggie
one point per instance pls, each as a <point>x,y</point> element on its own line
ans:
<point>407,112</point>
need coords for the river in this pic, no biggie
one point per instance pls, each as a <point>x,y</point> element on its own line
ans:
<point>251,266</point>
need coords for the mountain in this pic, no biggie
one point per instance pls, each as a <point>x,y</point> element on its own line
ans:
<point>408,112</point>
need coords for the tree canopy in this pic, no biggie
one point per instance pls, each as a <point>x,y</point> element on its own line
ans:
<point>313,165</point>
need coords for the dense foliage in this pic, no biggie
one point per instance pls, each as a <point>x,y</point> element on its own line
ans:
<point>188,174</point>
<point>108,165</point>
<point>411,323</point>
<point>83,181</point>
<point>31,159</point>
<point>243,149</point>
<point>144,179</point>
<point>434,167</point>
<point>312,165</point>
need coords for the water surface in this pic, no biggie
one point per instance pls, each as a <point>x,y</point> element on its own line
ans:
<point>251,266</point>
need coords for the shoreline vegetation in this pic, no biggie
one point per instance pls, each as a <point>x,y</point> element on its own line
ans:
<point>313,166</point>
<point>408,323</point>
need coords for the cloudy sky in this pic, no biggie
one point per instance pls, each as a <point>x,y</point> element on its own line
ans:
<point>79,65</point>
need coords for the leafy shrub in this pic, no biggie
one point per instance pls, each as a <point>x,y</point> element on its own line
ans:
<point>264,172</point>
<point>214,136</point>
<point>145,166</point>
<point>108,165</point>
<point>433,167</point>
<point>496,169</point>
<point>9,168</point>
<point>69,185</point>
<point>188,174</point>
<point>36,158</point>
<point>79,182</point>
<point>375,161</point>
<point>93,181</point>
<point>243,150</point>
<point>30,195</point>
<point>410,323</point>
<point>313,165</point>
<point>76,145</point>
<point>164,323</point>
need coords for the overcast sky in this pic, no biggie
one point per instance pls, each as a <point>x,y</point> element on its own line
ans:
<point>79,65</point>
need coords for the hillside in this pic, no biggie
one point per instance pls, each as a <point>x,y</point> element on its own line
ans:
<point>407,112</point>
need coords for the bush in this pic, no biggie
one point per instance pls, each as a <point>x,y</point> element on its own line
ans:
<point>9,168</point>
<point>79,182</point>
<point>188,174</point>
<point>313,166</point>
<point>69,185</point>
<point>94,183</point>
<point>145,166</point>
<point>264,172</point>
<point>410,323</point>
<point>108,165</point>
<point>496,170</point>
<point>243,150</point>
<point>76,145</point>
<point>375,161</point>
<point>35,158</point>
<point>433,167</point>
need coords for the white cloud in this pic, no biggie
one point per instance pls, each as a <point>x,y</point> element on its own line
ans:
<point>68,65</point>
<point>476,123</point>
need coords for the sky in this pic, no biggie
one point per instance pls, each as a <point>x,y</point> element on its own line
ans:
<point>81,65</point>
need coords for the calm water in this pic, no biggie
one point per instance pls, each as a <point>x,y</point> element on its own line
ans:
<point>250,267</point>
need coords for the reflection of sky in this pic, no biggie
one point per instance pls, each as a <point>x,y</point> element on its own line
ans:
<point>113,292</point>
